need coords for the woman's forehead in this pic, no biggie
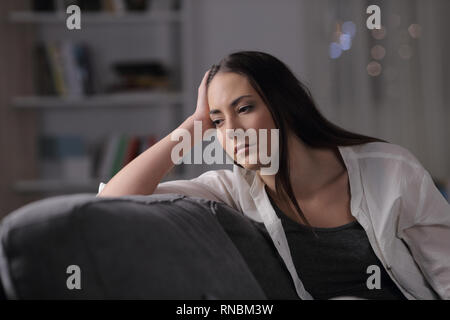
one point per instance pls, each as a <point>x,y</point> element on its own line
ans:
<point>226,87</point>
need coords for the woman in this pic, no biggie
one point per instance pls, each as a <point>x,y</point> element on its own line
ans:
<point>349,214</point>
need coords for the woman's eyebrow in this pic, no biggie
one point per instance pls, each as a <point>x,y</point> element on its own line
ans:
<point>232,104</point>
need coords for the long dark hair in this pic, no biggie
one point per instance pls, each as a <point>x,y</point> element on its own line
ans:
<point>292,106</point>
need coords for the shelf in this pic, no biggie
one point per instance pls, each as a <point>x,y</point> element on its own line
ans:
<point>65,186</point>
<point>102,17</point>
<point>52,26</point>
<point>125,100</point>
<point>59,186</point>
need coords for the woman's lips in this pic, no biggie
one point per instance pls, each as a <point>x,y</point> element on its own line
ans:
<point>242,148</point>
<point>238,148</point>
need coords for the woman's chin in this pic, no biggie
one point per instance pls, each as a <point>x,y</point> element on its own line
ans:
<point>247,164</point>
<point>253,167</point>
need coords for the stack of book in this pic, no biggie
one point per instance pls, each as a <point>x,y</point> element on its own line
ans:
<point>63,69</point>
<point>140,75</point>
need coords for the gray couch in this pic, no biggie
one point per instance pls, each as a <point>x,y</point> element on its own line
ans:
<point>163,246</point>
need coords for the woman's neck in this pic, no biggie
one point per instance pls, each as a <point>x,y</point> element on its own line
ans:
<point>312,170</point>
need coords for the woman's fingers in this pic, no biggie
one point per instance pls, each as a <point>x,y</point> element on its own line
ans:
<point>202,110</point>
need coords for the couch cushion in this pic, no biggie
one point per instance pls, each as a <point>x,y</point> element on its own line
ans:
<point>133,247</point>
<point>256,247</point>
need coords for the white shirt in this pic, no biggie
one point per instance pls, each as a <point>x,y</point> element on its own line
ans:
<point>406,218</point>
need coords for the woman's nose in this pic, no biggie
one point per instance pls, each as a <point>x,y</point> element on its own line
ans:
<point>229,132</point>
<point>235,132</point>
<point>235,122</point>
<point>230,127</point>
<point>237,136</point>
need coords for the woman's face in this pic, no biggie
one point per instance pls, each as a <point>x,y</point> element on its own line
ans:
<point>235,104</point>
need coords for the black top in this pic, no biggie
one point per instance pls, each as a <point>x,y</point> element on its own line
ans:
<point>333,262</point>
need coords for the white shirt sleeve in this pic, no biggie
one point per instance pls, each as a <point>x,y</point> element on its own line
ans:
<point>216,185</point>
<point>100,187</point>
<point>427,232</point>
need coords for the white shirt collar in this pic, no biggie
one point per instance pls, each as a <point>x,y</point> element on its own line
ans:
<point>350,160</point>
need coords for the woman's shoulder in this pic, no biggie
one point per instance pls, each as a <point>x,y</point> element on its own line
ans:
<point>235,176</point>
<point>385,152</point>
<point>235,181</point>
<point>224,175</point>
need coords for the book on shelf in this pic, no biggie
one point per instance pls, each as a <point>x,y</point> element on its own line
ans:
<point>70,157</point>
<point>114,6</point>
<point>63,69</point>
<point>119,150</point>
<point>107,157</point>
<point>56,68</point>
<point>119,156</point>
<point>44,5</point>
<point>42,77</point>
<point>72,65</point>
<point>64,156</point>
<point>132,150</point>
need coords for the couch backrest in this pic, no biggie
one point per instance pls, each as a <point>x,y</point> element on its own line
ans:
<point>164,246</point>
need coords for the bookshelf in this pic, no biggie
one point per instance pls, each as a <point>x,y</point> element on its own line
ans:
<point>125,100</point>
<point>172,31</point>
<point>62,186</point>
<point>97,18</point>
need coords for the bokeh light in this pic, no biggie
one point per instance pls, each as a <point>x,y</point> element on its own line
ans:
<point>341,38</point>
<point>345,41</point>
<point>415,31</point>
<point>335,50</point>
<point>374,69</point>
<point>378,52</point>
<point>379,34</point>
<point>336,36</point>
<point>348,27</point>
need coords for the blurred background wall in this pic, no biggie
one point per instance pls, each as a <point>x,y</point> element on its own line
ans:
<point>17,130</point>
<point>391,83</point>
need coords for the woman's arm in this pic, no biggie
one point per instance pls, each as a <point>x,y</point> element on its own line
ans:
<point>142,175</point>
<point>427,232</point>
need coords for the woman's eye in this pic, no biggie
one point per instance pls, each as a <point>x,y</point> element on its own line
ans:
<point>245,108</point>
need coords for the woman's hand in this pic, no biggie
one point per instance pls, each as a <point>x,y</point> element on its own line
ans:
<point>144,173</point>
<point>202,111</point>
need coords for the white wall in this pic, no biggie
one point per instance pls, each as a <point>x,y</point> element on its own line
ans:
<point>413,111</point>
<point>295,31</point>
<point>221,27</point>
